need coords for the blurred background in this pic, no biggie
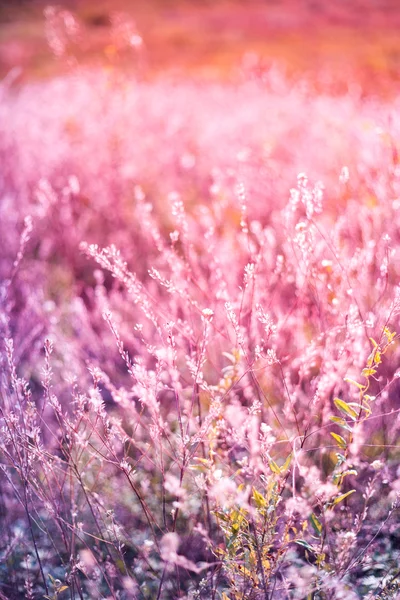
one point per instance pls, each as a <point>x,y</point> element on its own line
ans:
<point>354,41</point>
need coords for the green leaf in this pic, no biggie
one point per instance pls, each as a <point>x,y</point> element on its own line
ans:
<point>345,408</point>
<point>349,472</point>
<point>342,497</point>
<point>340,459</point>
<point>305,544</point>
<point>390,336</point>
<point>360,407</point>
<point>259,499</point>
<point>340,441</point>
<point>317,525</point>
<point>369,398</point>
<point>368,372</point>
<point>352,382</point>
<point>374,343</point>
<point>338,477</point>
<point>222,516</point>
<point>341,423</point>
<point>287,462</point>
<point>274,467</point>
<point>377,357</point>
<point>370,359</point>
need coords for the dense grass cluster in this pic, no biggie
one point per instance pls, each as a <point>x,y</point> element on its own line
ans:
<point>199,299</point>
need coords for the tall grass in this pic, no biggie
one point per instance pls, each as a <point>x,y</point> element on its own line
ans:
<point>199,305</point>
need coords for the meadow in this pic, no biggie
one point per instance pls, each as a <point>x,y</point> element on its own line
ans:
<point>199,306</point>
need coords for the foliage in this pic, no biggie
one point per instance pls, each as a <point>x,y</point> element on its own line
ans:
<point>198,394</point>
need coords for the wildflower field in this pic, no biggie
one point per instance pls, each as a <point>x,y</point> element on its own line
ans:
<point>199,300</point>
